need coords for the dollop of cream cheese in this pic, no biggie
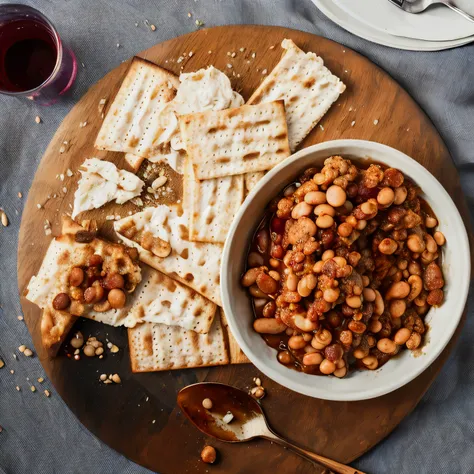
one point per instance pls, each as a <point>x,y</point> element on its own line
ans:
<point>102,182</point>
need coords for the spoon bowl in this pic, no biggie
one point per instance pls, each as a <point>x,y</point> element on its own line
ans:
<point>236,417</point>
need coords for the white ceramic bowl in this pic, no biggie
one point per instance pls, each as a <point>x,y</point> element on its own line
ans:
<point>359,385</point>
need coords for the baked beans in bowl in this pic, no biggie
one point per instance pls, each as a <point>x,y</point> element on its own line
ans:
<point>346,271</point>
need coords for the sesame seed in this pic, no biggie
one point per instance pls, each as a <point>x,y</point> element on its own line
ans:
<point>272,46</point>
<point>321,127</point>
<point>15,356</point>
<point>153,421</point>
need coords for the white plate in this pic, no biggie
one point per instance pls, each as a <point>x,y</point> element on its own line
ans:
<point>437,23</point>
<point>442,321</point>
<point>351,24</point>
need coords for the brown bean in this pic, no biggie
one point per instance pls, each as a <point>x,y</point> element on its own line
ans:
<point>400,195</point>
<point>439,238</point>
<point>340,372</point>
<point>307,284</point>
<point>324,209</point>
<point>435,297</point>
<point>256,292</point>
<point>250,276</point>
<point>76,308</point>
<point>325,221</point>
<point>312,358</point>
<point>321,339</point>
<point>296,342</point>
<point>333,352</point>
<point>344,229</point>
<point>369,294</point>
<point>370,362</point>
<point>331,294</point>
<point>113,280</point>
<point>397,308</point>
<point>375,326</point>
<point>414,268</point>
<point>386,345</point>
<point>430,222</point>
<point>263,240</point>
<point>255,260</point>
<point>357,327</point>
<point>398,290</point>
<point>61,301</point>
<point>302,209</point>
<point>402,336</point>
<point>116,298</point>
<point>379,305</point>
<point>95,260</point>
<point>284,357</point>
<point>269,326</point>
<point>269,309</point>
<point>266,283</point>
<point>76,277</point>
<point>315,198</point>
<point>416,286</point>
<point>433,277</point>
<point>336,196</point>
<point>415,244</point>
<point>413,341</point>
<point>353,302</point>
<point>360,353</point>
<point>346,337</point>
<point>327,367</point>
<point>208,455</point>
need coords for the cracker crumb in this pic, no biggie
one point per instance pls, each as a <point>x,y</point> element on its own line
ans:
<point>40,379</point>
<point>33,388</point>
<point>209,52</point>
<point>12,371</point>
<point>272,46</point>
<point>15,356</point>
<point>376,122</point>
<point>109,218</point>
<point>254,55</point>
<point>39,206</point>
<point>153,27</point>
<point>47,393</point>
<point>233,55</point>
<point>321,127</point>
<point>118,45</point>
<point>229,66</point>
<point>69,173</point>
<point>20,195</point>
<point>199,23</point>
<point>264,71</point>
<point>189,15</point>
<point>18,388</point>
<point>2,364</point>
<point>20,318</point>
<point>38,119</point>
<point>353,123</point>
<point>190,53</point>
<point>242,50</point>
<point>65,190</point>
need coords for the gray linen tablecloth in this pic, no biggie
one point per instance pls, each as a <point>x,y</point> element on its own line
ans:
<point>41,435</point>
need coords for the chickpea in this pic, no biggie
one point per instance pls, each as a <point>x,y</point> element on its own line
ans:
<point>369,295</point>
<point>284,357</point>
<point>313,358</point>
<point>76,277</point>
<point>269,326</point>
<point>400,195</point>
<point>386,196</point>
<point>388,246</point>
<point>354,301</point>
<point>328,254</point>
<point>370,362</point>
<point>302,209</point>
<point>327,367</point>
<point>292,282</point>
<point>321,339</point>
<point>344,229</point>
<point>386,345</point>
<point>340,363</point>
<point>335,196</point>
<point>325,221</point>
<point>324,209</point>
<point>296,342</point>
<point>415,244</point>
<point>430,222</point>
<point>315,198</point>
<point>331,295</point>
<point>439,238</point>
<point>208,455</point>
<point>117,298</point>
<point>414,341</point>
<point>397,308</point>
<point>375,326</point>
<point>402,336</point>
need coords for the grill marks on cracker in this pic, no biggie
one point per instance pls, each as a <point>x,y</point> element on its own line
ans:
<point>235,141</point>
<point>212,204</point>
<point>131,124</point>
<point>157,347</point>
<point>307,87</point>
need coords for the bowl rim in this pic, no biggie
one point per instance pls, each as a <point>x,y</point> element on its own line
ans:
<point>462,292</point>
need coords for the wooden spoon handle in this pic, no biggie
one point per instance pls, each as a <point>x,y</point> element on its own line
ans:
<point>326,462</point>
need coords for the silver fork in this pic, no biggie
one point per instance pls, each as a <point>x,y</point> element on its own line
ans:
<point>418,6</point>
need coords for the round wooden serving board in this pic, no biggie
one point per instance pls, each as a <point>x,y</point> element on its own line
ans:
<point>139,418</point>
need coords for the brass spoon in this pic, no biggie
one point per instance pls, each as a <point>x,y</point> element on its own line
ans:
<point>248,420</point>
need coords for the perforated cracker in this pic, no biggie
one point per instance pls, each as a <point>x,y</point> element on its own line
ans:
<point>307,87</point>
<point>196,264</point>
<point>131,124</point>
<point>157,347</point>
<point>212,205</point>
<point>160,299</point>
<point>235,141</point>
<point>236,354</point>
<point>251,179</point>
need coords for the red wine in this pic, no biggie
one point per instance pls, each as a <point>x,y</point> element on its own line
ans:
<point>28,55</point>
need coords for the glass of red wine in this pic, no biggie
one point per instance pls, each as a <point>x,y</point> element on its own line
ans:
<point>34,62</point>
